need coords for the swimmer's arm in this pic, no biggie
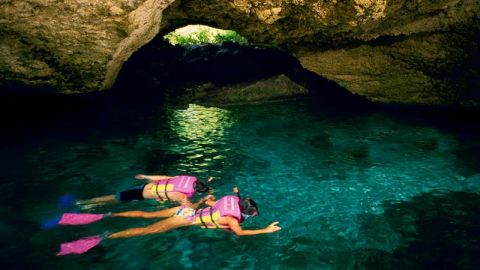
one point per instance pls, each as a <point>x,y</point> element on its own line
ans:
<point>210,202</point>
<point>183,200</point>
<point>207,200</point>
<point>235,227</point>
<point>152,177</point>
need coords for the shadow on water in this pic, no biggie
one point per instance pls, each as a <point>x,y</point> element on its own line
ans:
<point>461,123</point>
<point>33,116</point>
<point>438,231</point>
<point>157,161</point>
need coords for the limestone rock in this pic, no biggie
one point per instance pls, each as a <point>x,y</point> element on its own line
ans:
<point>426,69</point>
<point>270,89</point>
<point>423,52</point>
<point>81,44</point>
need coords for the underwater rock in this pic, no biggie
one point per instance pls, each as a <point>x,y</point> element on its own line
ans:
<point>415,52</point>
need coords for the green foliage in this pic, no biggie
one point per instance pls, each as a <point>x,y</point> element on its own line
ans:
<point>204,35</point>
<point>231,36</point>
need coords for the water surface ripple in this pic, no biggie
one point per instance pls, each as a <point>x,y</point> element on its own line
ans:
<point>350,192</point>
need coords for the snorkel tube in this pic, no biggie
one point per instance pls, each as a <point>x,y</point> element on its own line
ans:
<point>210,189</point>
<point>235,190</point>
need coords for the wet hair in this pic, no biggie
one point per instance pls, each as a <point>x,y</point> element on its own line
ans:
<point>248,206</point>
<point>201,187</point>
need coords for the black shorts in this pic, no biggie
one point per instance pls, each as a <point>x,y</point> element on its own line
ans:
<point>132,194</point>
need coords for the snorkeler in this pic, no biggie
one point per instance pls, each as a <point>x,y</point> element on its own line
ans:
<point>226,213</point>
<point>159,187</point>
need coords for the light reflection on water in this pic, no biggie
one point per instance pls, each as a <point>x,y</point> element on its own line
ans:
<point>203,130</point>
<point>202,125</point>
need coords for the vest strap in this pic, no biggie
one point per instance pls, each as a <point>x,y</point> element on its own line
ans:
<point>158,194</point>
<point>211,217</point>
<point>201,219</point>
<point>165,189</point>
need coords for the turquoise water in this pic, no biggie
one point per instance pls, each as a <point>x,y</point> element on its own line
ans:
<point>367,191</point>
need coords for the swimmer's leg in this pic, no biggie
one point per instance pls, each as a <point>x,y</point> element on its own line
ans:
<point>141,214</point>
<point>99,200</point>
<point>134,193</point>
<point>159,227</point>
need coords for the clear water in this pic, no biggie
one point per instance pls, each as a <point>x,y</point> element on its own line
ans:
<point>368,191</point>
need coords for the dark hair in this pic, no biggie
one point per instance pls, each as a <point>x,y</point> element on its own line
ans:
<point>248,206</point>
<point>201,187</point>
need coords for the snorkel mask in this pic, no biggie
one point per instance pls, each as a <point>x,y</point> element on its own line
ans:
<point>249,208</point>
<point>246,216</point>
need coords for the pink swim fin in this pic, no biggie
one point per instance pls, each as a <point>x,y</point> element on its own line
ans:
<point>79,246</point>
<point>79,218</point>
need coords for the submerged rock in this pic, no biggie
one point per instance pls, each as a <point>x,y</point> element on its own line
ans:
<point>270,89</point>
<point>422,52</point>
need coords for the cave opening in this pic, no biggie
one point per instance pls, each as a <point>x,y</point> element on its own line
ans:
<point>206,65</point>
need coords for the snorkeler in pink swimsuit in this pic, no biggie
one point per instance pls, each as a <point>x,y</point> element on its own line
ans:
<point>159,187</point>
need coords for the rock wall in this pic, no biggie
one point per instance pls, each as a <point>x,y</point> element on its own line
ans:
<point>73,45</point>
<point>405,51</point>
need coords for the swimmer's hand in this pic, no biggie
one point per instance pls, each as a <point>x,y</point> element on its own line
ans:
<point>272,228</point>
<point>209,200</point>
<point>140,177</point>
<point>209,197</point>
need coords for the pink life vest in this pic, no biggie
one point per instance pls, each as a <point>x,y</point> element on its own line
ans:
<point>182,183</point>
<point>225,206</point>
<point>229,206</point>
